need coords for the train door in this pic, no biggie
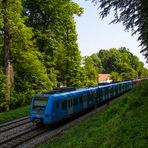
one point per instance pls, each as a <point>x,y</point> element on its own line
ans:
<point>56,110</point>
<point>70,107</point>
<point>76,106</point>
<point>63,108</point>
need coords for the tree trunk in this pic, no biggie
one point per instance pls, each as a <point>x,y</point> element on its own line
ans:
<point>7,63</point>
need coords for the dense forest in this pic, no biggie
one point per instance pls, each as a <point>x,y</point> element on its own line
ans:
<point>39,51</point>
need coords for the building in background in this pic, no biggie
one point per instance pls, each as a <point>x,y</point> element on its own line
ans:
<point>104,78</point>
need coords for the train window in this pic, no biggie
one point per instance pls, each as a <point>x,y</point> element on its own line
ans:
<point>80,100</point>
<point>119,87</point>
<point>94,95</point>
<point>105,91</point>
<point>101,94</point>
<point>75,101</point>
<point>116,89</point>
<point>57,104</point>
<point>91,96</point>
<point>70,102</point>
<point>85,97</point>
<point>64,105</point>
<point>112,90</point>
<point>40,101</point>
<point>39,104</point>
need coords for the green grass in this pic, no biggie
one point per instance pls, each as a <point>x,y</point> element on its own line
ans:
<point>14,114</point>
<point>123,124</point>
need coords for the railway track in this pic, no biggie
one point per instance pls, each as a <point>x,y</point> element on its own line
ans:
<point>53,132</point>
<point>21,137</point>
<point>13,124</point>
<point>31,136</point>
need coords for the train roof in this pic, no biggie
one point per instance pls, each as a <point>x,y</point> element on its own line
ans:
<point>72,93</point>
<point>78,91</point>
<point>114,84</point>
<point>42,95</point>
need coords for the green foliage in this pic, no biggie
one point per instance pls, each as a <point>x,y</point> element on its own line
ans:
<point>115,76</point>
<point>55,32</point>
<point>14,114</point>
<point>97,63</point>
<point>3,89</point>
<point>122,124</point>
<point>91,70</point>
<point>28,73</point>
<point>132,14</point>
<point>35,77</point>
<point>43,46</point>
<point>123,62</point>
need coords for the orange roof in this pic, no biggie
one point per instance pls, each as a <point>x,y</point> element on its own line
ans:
<point>104,77</point>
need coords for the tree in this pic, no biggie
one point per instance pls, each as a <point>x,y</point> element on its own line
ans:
<point>43,17</point>
<point>103,55</point>
<point>115,76</point>
<point>97,63</point>
<point>91,71</point>
<point>6,13</point>
<point>55,32</point>
<point>121,64</point>
<point>132,13</point>
<point>128,73</point>
<point>111,60</point>
<point>69,67</point>
<point>17,42</point>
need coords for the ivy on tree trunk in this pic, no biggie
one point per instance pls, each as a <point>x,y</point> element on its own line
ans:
<point>7,57</point>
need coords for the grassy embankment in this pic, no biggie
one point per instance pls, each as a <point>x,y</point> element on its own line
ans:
<point>120,125</point>
<point>14,114</point>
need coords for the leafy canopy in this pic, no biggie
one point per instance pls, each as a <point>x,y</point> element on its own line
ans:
<point>133,14</point>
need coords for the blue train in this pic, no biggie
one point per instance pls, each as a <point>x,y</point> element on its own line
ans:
<point>49,108</point>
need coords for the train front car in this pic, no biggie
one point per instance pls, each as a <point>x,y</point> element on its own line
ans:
<point>40,109</point>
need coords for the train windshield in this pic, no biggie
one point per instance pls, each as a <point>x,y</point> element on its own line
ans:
<point>39,105</point>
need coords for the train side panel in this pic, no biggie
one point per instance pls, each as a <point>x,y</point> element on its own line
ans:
<point>68,104</point>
